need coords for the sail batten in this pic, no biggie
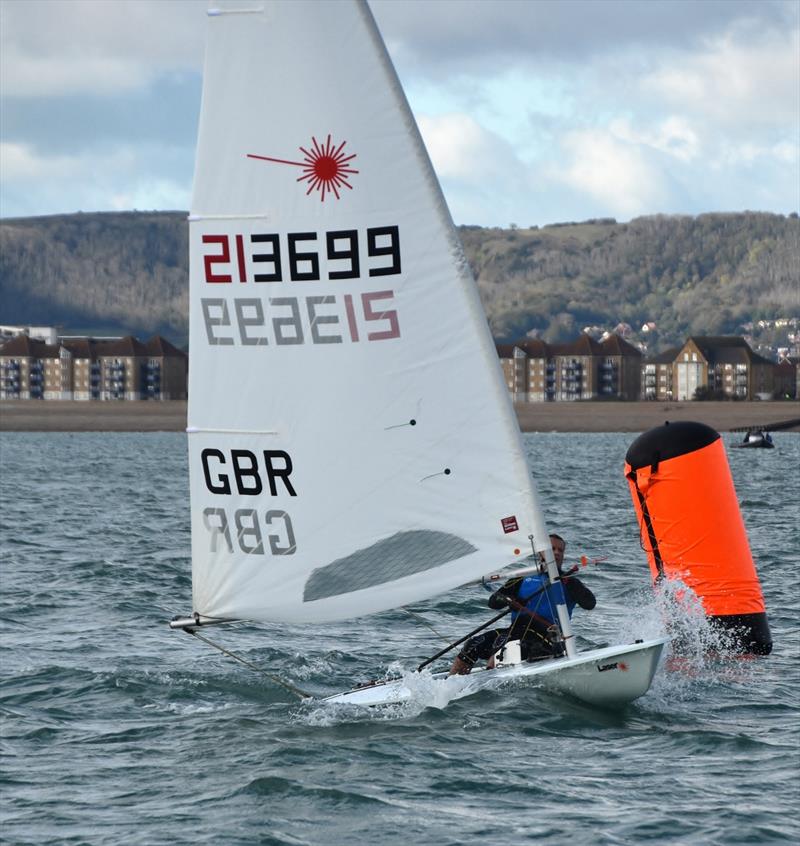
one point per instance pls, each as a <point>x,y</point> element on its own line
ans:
<point>353,445</point>
<point>214,13</point>
<point>263,216</point>
<point>195,430</point>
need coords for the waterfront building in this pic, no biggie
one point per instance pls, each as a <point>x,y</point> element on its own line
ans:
<point>573,370</point>
<point>584,369</point>
<point>92,369</point>
<point>722,366</point>
<point>619,370</point>
<point>657,375</point>
<point>525,369</point>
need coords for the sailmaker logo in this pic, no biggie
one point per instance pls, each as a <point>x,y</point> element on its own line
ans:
<point>326,167</point>
<point>509,524</point>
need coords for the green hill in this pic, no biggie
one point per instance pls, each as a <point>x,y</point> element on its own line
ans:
<point>115,273</point>
<point>127,272</point>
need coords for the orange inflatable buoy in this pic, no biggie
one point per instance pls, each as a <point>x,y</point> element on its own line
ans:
<point>692,528</point>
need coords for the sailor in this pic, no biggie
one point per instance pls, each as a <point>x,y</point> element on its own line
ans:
<point>533,618</point>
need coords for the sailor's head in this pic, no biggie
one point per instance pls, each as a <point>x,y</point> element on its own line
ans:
<point>558,545</point>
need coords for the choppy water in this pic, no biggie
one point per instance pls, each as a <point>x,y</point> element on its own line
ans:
<point>116,730</point>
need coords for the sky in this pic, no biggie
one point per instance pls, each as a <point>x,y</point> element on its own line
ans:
<point>533,111</point>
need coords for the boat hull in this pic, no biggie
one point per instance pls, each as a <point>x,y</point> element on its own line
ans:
<point>607,677</point>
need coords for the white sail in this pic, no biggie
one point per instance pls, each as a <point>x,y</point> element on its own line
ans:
<point>352,445</point>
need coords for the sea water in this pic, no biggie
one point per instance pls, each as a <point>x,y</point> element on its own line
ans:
<point>116,730</point>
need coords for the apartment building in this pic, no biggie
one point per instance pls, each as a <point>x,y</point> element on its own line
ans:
<point>619,369</point>
<point>657,376</point>
<point>717,365</point>
<point>524,368</point>
<point>536,371</point>
<point>92,369</point>
<point>722,365</point>
<point>573,370</point>
<point>586,369</point>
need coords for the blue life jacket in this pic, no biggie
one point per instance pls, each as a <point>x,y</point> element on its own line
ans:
<point>543,604</point>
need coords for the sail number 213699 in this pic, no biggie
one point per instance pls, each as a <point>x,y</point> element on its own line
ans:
<point>262,259</point>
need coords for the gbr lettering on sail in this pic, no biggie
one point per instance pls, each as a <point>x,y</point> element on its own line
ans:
<point>294,288</point>
<point>229,472</point>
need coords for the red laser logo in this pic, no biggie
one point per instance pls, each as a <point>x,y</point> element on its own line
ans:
<point>325,168</point>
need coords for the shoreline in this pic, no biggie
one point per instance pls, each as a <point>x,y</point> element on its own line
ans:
<point>640,416</point>
<point>170,415</point>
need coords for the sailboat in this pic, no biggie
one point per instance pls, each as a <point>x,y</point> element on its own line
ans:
<point>352,445</point>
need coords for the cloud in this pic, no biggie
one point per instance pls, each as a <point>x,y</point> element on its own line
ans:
<point>639,111</point>
<point>28,76</point>
<point>145,177</point>
<point>735,103</point>
<point>446,36</point>
<point>617,174</point>
<point>673,136</point>
<point>460,148</point>
<point>528,117</point>
<point>96,47</point>
<point>167,113</point>
<point>743,78</point>
<point>482,177</point>
<point>733,155</point>
<point>20,163</point>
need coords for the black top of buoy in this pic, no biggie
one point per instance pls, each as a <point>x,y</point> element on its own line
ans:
<point>669,441</point>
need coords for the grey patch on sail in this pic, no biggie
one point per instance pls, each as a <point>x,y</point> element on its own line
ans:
<point>403,554</point>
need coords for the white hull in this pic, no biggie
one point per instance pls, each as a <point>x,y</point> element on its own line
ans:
<point>612,676</point>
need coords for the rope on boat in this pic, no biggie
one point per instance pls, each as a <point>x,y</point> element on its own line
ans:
<point>301,694</point>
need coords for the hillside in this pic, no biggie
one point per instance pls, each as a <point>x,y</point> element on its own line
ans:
<point>704,275</point>
<point>127,272</point>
